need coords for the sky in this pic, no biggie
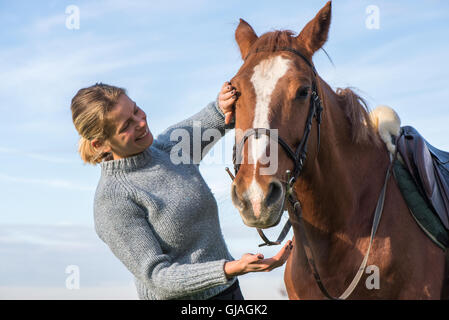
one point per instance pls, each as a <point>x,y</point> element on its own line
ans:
<point>172,57</point>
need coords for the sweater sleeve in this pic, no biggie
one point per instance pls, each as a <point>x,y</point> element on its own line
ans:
<point>191,139</point>
<point>122,225</point>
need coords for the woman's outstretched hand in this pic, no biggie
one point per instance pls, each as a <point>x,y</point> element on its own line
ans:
<point>256,262</point>
<point>226,100</point>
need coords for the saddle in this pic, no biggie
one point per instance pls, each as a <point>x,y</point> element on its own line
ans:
<point>429,169</point>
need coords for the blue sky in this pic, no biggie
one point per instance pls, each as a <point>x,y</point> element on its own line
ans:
<point>173,56</point>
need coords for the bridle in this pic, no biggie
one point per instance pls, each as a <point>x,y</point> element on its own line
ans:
<point>299,157</point>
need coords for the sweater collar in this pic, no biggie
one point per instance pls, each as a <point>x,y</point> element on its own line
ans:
<point>126,164</point>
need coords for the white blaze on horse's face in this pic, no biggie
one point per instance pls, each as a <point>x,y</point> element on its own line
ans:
<point>264,79</point>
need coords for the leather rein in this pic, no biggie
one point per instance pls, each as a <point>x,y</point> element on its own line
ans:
<point>294,206</point>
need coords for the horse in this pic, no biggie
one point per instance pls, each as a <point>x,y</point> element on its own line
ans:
<point>340,180</point>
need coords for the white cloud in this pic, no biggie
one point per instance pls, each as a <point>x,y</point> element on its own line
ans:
<point>53,183</point>
<point>42,78</point>
<point>43,25</point>
<point>39,75</point>
<point>50,249</point>
<point>37,156</point>
<point>58,293</point>
<point>95,10</point>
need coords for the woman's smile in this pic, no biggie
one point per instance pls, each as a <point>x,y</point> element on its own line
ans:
<point>143,135</point>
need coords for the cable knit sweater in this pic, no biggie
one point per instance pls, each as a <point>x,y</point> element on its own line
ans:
<point>161,219</point>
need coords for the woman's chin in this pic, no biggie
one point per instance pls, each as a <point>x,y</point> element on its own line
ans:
<point>145,142</point>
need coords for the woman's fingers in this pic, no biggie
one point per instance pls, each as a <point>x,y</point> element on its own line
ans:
<point>226,87</point>
<point>227,104</point>
<point>250,258</point>
<point>274,262</point>
<point>285,251</point>
<point>228,117</point>
<point>226,100</point>
<point>228,94</point>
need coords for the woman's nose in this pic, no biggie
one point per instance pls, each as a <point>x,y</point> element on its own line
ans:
<point>142,122</point>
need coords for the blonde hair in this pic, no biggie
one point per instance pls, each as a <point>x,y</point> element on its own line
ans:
<point>90,107</point>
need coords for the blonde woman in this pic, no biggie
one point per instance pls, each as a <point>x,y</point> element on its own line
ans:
<point>160,218</point>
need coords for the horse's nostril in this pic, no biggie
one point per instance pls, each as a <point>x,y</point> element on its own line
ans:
<point>274,193</point>
<point>235,197</point>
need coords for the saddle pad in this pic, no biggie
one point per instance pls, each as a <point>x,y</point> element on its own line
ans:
<point>429,168</point>
<point>419,208</point>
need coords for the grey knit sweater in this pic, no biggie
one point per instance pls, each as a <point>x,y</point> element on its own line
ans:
<point>161,219</point>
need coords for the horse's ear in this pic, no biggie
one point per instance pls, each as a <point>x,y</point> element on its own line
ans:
<point>245,37</point>
<point>315,33</point>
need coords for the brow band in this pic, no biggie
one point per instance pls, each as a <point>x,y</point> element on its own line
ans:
<point>294,51</point>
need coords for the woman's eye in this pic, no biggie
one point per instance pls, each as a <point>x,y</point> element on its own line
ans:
<point>302,93</point>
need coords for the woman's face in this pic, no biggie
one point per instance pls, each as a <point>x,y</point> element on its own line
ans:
<point>131,135</point>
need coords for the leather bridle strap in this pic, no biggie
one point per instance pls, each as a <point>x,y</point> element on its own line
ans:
<point>299,155</point>
<point>280,238</point>
<point>315,111</point>
<point>294,51</point>
<point>257,131</point>
<point>295,206</point>
<point>298,158</point>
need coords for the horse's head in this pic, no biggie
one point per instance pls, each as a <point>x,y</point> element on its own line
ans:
<point>276,91</point>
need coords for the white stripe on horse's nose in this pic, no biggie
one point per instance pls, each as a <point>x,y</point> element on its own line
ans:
<point>264,79</point>
<point>256,196</point>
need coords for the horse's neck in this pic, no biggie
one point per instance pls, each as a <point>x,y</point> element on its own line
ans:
<point>340,187</point>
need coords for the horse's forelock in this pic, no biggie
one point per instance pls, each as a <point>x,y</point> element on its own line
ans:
<point>272,41</point>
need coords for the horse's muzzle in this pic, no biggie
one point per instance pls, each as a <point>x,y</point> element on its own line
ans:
<point>259,208</point>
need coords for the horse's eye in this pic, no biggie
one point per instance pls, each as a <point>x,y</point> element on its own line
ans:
<point>302,93</point>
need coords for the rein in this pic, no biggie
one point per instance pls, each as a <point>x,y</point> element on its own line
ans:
<point>294,206</point>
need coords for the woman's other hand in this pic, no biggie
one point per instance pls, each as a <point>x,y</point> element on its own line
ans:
<point>256,262</point>
<point>226,101</point>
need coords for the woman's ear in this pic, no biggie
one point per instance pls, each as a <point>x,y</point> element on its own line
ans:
<point>100,146</point>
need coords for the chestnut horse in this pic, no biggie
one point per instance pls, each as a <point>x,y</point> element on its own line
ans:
<point>340,182</point>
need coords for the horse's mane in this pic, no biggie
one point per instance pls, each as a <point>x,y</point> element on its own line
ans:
<point>357,113</point>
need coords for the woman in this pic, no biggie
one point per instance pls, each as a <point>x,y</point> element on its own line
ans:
<point>160,218</point>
